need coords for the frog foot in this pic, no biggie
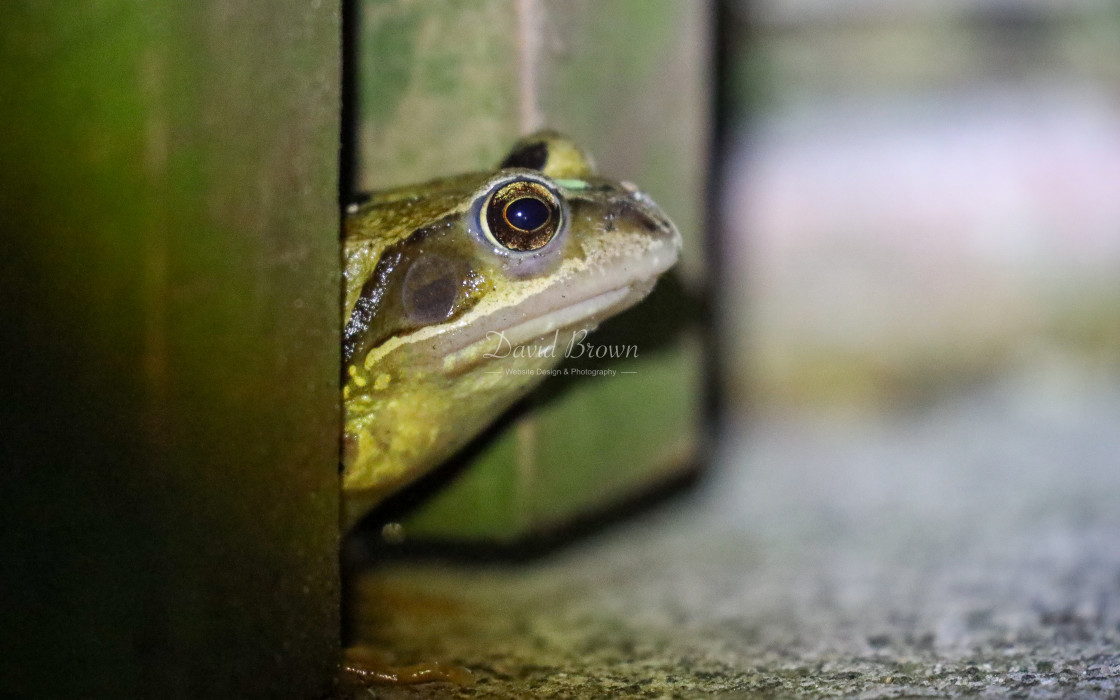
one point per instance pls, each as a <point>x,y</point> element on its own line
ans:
<point>363,665</point>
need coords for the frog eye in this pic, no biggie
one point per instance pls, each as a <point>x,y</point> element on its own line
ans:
<point>523,215</point>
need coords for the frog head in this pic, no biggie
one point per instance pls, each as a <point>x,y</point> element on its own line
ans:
<point>455,290</point>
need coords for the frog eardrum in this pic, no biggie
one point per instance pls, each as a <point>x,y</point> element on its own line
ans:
<point>523,214</point>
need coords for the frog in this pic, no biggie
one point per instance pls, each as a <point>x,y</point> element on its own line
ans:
<point>457,289</point>
<point>461,294</point>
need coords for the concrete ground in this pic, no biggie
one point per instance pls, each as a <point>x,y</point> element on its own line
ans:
<point>966,547</point>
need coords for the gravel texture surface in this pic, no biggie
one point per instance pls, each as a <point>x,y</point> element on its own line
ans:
<point>968,547</point>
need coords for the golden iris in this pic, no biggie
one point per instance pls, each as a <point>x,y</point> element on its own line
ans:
<point>523,215</point>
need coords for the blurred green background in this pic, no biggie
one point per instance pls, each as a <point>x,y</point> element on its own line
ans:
<point>169,370</point>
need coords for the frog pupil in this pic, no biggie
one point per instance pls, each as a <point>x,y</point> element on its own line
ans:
<point>527,213</point>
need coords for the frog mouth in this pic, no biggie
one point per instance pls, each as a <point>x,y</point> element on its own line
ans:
<point>586,313</point>
<point>588,301</point>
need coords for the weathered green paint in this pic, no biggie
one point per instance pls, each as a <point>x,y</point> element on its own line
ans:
<point>169,370</point>
<point>437,88</point>
<point>625,78</point>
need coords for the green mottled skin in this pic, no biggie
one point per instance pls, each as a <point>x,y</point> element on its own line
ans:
<point>417,388</point>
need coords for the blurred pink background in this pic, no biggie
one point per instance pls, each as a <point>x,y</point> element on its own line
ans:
<point>921,196</point>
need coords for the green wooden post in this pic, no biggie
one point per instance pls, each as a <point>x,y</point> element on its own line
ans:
<point>168,206</point>
<point>446,87</point>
